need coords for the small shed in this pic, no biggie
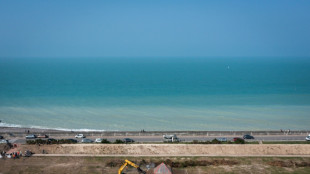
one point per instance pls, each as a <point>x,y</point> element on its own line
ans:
<point>162,169</point>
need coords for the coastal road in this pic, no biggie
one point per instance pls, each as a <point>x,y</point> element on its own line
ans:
<point>149,139</point>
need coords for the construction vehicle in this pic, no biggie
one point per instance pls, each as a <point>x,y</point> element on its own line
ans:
<point>133,165</point>
<point>171,138</point>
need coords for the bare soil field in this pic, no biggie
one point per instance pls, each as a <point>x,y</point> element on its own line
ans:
<point>172,149</point>
<point>182,158</point>
<point>180,165</point>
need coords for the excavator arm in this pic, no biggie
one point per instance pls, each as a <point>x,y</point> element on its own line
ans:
<point>122,168</point>
<point>133,165</point>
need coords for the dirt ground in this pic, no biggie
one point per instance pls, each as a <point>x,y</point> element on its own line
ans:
<point>180,165</point>
<point>171,149</point>
<point>183,158</point>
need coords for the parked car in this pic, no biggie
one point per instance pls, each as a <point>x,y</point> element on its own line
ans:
<point>42,136</point>
<point>4,141</point>
<point>85,140</point>
<point>128,140</point>
<point>248,137</point>
<point>1,137</point>
<point>98,140</point>
<point>308,138</point>
<point>170,138</point>
<point>80,136</point>
<point>32,136</point>
<point>222,139</point>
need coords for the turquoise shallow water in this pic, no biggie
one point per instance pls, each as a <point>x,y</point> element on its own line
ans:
<point>156,94</point>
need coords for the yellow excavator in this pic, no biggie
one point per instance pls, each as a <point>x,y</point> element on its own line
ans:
<point>133,165</point>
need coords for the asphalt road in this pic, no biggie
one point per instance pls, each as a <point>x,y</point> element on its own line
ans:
<point>149,139</point>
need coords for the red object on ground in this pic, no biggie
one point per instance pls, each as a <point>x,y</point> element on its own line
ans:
<point>236,138</point>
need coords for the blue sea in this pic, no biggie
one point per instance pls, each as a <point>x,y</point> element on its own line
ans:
<point>118,94</point>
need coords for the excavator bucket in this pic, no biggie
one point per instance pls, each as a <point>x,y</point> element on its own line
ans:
<point>141,171</point>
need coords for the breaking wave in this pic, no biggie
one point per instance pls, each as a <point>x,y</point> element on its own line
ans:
<point>2,124</point>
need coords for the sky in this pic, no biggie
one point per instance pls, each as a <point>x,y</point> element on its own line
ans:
<point>160,28</point>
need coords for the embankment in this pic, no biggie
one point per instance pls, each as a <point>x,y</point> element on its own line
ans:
<point>172,149</point>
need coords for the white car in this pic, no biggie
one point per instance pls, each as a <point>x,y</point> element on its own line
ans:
<point>4,142</point>
<point>308,138</point>
<point>79,136</point>
<point>98,140</point>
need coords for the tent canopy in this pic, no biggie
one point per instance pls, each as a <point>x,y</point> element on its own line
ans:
<point>162,169</point>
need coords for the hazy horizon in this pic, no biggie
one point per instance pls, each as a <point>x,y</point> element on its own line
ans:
<point>154,29</point>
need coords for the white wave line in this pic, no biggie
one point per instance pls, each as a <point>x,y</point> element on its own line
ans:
<point>2,124</point>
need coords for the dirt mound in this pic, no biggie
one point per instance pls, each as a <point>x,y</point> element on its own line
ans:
<point>289,164</point>
<point>114,163</point>
<point>193,163</point>
<point>171,149</point>
<point>176,164</point>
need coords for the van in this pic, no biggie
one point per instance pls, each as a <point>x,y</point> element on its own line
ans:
<point>32,136</point>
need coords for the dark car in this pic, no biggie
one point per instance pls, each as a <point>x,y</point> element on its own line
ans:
<point>248,137</point>
<point>85,140</point>
<point>32,136</point>
<point>128,140</point>
<point>1,137</point>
